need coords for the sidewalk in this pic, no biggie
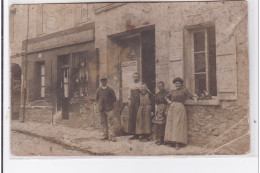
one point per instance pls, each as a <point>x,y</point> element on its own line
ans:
<point>88,140</point>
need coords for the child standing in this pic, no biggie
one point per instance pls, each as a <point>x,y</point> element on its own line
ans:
<point>159,119</point>
<point>145,111</point>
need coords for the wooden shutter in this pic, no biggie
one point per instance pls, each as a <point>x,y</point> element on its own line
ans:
<point>92,72</point>
<point>226,70</point>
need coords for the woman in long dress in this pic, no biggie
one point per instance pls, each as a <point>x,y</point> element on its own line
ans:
<point>145,111</point>
<point>176,123</point>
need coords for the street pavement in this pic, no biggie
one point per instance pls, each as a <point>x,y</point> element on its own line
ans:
<point>25,145</point>
<point>66,141</point>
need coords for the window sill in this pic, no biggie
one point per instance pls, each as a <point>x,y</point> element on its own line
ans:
<point>202,102</point>
<point>85,98</point>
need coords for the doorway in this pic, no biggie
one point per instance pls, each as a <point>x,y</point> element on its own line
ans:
<point>135,50</point>
<point>148,59</point>
<point>137,54</point>
<point>63,64</point>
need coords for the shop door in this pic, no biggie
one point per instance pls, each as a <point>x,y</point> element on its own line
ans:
<point>148,59</point>
<point>130,57</point>
<point>63,86</point>
<point>137,54</point>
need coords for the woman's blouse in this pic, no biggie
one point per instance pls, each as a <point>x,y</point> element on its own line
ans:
<point>179,95</point>
<point>160,97</point>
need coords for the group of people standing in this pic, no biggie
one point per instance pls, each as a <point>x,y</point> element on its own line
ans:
<point>168,125</point>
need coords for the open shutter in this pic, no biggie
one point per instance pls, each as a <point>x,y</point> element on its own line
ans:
<point>226,70</point>
<point>92,72</point>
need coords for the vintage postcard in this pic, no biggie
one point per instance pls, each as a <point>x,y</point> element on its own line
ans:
<point>129,79</point>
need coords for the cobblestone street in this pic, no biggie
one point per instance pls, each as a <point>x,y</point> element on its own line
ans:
<point>36,139</point>
<point>24,145</point>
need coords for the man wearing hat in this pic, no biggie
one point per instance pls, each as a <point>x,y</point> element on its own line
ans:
<point>106,98</point>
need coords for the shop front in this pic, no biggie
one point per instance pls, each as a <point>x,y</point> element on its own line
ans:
<point>61,74</point>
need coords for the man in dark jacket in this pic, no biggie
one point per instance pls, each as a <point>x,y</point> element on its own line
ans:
<point>106,98</point>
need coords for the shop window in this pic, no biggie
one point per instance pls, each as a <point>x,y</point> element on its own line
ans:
<point>40,80</point>
<point>66,82</point>
<point>80,74</point>
<point>204,61</point>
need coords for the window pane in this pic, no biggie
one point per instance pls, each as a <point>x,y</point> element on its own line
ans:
<point>86,73</point>
<point>42,80</point>
<point>200,83</point>
<point>42,91</point>
<point>66,76</point>
<point>199,41</point>
<point>76,60</point>
<point>80,74</point>
<point>200,62</point>
<point>42,69</point>
<point>66,90</point>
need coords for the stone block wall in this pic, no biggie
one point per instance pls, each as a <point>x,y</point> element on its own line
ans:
<point>37,111</point>
<point>213,126</point>
<point>39,114</point>
<point>85,114</point>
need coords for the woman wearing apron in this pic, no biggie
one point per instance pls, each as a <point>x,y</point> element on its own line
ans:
<point>176,123</point>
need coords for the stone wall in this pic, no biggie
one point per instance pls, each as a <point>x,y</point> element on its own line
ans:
<point>37,111</point>
<point>45,19</point>
<point>85,114</point>
<point>207,124</point>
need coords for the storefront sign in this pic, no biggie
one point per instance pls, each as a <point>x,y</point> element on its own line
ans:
<point>64,40</point>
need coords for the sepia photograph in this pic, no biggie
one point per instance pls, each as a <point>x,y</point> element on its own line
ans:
<point>129,79</point>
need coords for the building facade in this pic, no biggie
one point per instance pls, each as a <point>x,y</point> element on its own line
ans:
<point>205,43</point>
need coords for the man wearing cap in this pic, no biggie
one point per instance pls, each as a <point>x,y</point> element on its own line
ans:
<point>106,98</point>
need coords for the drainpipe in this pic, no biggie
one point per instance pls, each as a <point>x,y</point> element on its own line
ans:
<point>26,62</point>
<point>52,113</point>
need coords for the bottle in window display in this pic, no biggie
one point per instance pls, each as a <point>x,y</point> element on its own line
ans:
<point>83,76</point>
